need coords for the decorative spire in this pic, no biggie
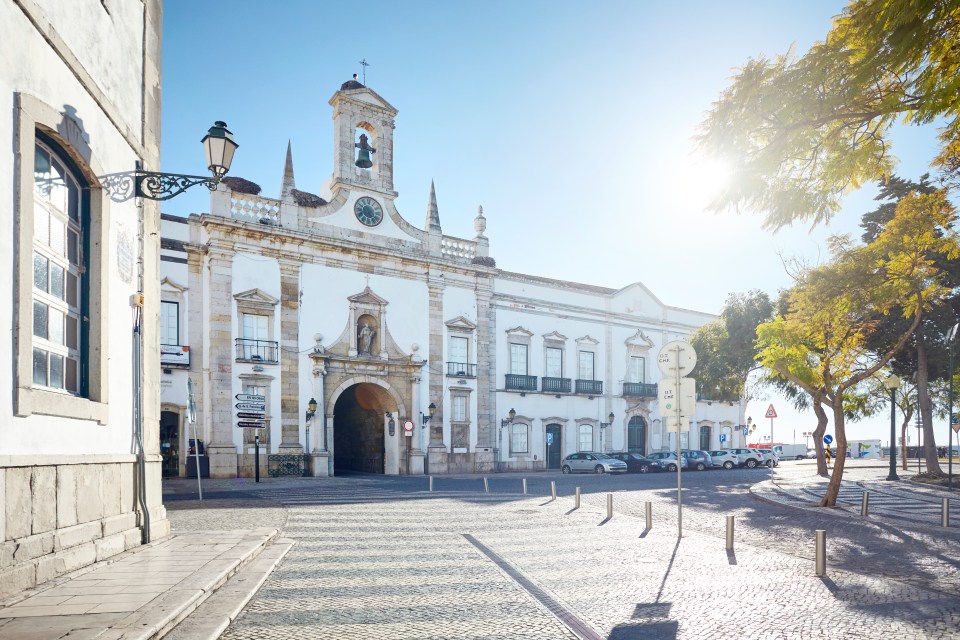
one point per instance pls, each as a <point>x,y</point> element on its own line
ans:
<point>433,212</point>
<point>480,223</point>
<point>289,184</point>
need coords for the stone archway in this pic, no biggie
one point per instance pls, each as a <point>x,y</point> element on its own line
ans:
<point>367,430</point>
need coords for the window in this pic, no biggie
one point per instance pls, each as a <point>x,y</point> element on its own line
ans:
<point>518,359</point>
<point>586,365</point>
<point>458,349</point>
<point>554,365</point>
<point>169,323</point>
<point>59,284</point>
<point>585,437</point>
<point>256,327</point>
<point>637,367</point>
<point>459,409</point>
<point>518,438</point>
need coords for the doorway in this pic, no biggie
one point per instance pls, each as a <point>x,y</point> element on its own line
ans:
<point>705,437</point>
<point>358,428</point>
<point>637,435</point>
<point>170,444</point>
<point>554,446</point>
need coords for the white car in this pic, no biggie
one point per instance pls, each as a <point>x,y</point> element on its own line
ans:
<point>724,458</point>
<point>768,457</point>
<point>749,458</point>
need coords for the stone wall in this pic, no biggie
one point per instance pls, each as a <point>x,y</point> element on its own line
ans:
<point>56,519</point>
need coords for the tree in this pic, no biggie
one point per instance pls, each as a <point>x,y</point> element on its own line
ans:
<point>820,344</point>
<point>799,133</point>
<point>725,347</point>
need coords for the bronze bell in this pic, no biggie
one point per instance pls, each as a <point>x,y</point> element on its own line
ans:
<point>363,156</point>
<point>363,159</point>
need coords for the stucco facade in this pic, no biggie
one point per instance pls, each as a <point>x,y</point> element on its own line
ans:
<point>80,82</point>
<point>337,297</point>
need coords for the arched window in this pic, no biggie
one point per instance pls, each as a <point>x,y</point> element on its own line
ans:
<point>637,435</point>
<point>704,437</point>
<point>585,437</point>
<point>59,268</point>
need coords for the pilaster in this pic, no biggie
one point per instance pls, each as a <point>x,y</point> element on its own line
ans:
<point>290,401</point>
<point>435,358</point>
<point>486,368</point>
<point>221,449</point>
<point>196,322</point>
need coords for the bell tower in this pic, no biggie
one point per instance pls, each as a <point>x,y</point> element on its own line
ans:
<point>365,162</point>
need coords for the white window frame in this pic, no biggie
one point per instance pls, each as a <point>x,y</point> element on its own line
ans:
<point>638,369</point>
<point>515,351</point>
<point>169,315</point>
<point>459,408</point>
<point>519,438</point>
<point>553,369</point>
<point>585,436</point>
<point>461,353</point>
<point>593,365</point>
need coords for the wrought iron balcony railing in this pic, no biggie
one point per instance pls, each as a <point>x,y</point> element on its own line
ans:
<point>640,389</point>
<point>590,387</point>
<point>461,369</point>
<point>257,350</point>
<point>516,382</point>
<point>556,385</point>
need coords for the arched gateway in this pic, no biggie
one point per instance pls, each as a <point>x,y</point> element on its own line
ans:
<point>361,428</point>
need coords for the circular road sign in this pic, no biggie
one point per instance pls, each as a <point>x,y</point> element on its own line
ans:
<point>674,355</point>
<point>827,439</point>
<point>408,427</point>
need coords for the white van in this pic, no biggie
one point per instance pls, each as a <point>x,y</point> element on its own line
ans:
<point>791,451</point>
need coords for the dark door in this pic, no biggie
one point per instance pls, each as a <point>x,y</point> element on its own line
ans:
<point>637,435</point>
<point>554,450</point>
<point>705,437</point>
<point>170,443</point>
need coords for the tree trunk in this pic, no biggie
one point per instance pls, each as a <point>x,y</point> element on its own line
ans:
<point>903,437</point>
<point>818,435</point>
<point>926,411</point>
<point>833,488</point>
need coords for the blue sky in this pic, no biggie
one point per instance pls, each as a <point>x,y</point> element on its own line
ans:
<point>568,121</point>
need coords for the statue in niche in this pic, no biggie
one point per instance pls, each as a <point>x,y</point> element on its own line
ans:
<point>365,341</point>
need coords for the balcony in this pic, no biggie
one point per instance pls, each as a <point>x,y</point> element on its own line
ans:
<point>590,387</point>
<point>516,382</point>
<point>639,389</point>
<point>461,370</point>
<point>260,351</point>
<point>174,355</point>
<point>556,385</point>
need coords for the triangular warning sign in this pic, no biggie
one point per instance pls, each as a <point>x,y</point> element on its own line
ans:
<point>771,412</point>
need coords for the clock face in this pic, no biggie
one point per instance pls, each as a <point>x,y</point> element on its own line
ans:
<point>368,211</point>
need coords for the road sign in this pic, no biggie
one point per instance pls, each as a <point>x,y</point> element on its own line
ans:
<point>723,437</point>
<point>674,355</point>
<point>746,431</point>
<point>251,425</point>
<point>252,415</point>
<point>251,406</point>
<point>549,439</point>
<point>670,396</point>
<point>408,427</point>
<point>827,439</point>
<point>246,397</point>
<point>771,412</point>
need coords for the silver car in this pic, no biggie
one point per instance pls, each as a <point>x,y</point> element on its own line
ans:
<point>592,462</point>
<point>724,458</point>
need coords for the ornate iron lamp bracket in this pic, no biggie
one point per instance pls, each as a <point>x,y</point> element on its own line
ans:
<point>151,185</point>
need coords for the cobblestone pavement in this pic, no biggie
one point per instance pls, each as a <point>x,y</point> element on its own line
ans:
<point>382,558</point>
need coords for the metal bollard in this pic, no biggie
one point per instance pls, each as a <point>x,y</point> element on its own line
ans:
<point>486,486</point>
<point>648,513</point>
<point>945,512</point>
<point>729,533</point>
<point>609,506</point>
<point>431,483</point>
<point>865,504</point>
<point>524,486</point>
<point>820,559</point>
<point>576,500</point>
<point>553,489</point>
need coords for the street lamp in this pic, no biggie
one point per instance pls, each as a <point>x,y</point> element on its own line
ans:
<point>432,409</point>
<point>951,340</point>
<point>219,147</point>
<point>892,383</point>
<point>604,425</point>
<point>749,430</point>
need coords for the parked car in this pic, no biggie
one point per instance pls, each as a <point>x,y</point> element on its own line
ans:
<point>811,454</point>
<point>637,463</point>
<point>769,456</point>
<point>697,459</point>
<point>748,457</point>
<point>667,459</point>
<point>724,458</point>
<point>592,461</point>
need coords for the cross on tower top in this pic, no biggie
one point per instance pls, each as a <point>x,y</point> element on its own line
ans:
<point>365,64</point>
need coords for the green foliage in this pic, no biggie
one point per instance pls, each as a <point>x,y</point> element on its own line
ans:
<point>801,132</point>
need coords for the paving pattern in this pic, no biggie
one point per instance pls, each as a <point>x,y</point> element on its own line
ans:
<point>383,558</point>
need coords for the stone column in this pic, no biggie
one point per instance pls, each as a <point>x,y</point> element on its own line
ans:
<point>414,452</point>
<point>353,332</point>
<point>221,448</point>
<point>290,401</point>
<point>196,321</point>
<point>437,450</point>
<point>320,456</point>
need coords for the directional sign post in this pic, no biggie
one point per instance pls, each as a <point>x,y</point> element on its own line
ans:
<point>251,406</point>
<point>771,413</point>
<point>247,397</point>
<point>676,360</point>
<point>252,416</point>
<point>251,425</point>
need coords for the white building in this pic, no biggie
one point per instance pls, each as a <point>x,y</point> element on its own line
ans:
<point>339,298</point>
<point>80,85</point>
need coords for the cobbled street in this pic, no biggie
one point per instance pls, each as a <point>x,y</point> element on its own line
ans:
<point>382,557</point>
